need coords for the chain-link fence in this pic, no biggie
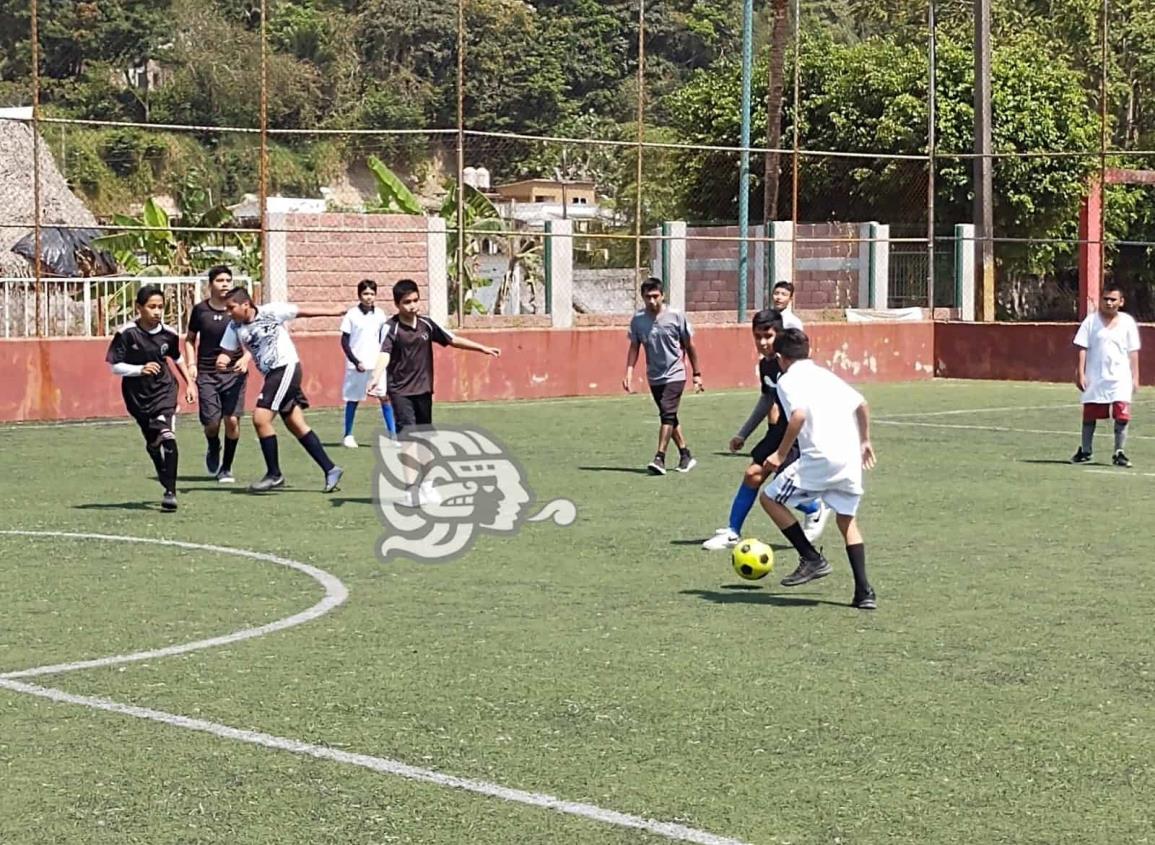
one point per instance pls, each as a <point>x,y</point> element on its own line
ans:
<point>311,145</point>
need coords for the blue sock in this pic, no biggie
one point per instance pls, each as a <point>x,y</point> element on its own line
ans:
<point>809,507</point>
<point>350,412</point>
<point>390,420</point>
<point>744,499</point>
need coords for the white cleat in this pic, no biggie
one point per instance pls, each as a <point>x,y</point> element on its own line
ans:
<point>349,442</point>
<point>427,495</point>
<point>815,523</point>
<point>723,538</point>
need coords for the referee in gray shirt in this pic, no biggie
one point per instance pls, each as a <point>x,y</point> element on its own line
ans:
<point>667,338</point>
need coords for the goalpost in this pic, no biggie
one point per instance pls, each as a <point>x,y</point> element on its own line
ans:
<point>1091,231</point>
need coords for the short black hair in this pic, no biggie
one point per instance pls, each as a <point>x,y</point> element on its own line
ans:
<point>403,288</point>
<point>785,286</point>
<point>651,284</point>
<point>218,269</point>
<point>767,318</point>
<point>1108,287</point>
<point>240,296</point>
<point>147,292</point>
<point>792,344</point>
<point>366,284</point>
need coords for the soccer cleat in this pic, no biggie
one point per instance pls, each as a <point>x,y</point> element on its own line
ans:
<point>815,523</point>
<point>213,461</point>
<point>1081,457</point>
<point>269,482</point>
<point>333,478</point>
<point>168,503</point>
<point>723,538</point>
<point>1120,460</point>
<point>428,495</point>
<point>686,462</point>
<point>225,477</point>
<point>865,601</point>
<point>808,570</point>
<point>349,442</point>
<point>657,466</point>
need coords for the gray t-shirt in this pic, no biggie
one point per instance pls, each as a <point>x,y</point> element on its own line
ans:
<point>664,337</point>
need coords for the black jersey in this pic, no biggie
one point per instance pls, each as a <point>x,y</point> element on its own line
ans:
<point>768,374</point>
<point>146,395</point>
<point>410,350</point>
<point>208,325</point>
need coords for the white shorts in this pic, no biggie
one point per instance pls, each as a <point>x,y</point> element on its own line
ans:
<point>356,386</point>
<point>784,490</point>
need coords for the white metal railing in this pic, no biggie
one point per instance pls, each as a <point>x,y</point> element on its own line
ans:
<point>91,307</point>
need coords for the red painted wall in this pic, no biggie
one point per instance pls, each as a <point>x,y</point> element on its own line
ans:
<point>63,379</point>
<point>1019,351</point>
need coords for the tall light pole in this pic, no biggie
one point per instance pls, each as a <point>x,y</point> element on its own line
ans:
<point>744,166</point>
<point>983,168</point>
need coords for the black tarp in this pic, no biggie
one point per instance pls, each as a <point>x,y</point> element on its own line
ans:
<point>67,252</point>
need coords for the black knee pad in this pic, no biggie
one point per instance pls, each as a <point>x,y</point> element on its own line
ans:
<point>669,419</point>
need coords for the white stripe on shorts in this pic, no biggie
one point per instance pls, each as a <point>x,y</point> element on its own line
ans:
<point>283,387</point>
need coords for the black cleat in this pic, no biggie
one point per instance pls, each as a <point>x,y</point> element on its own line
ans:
<point>686,462</point>
<point>213,461</point>
<point>657,466</point>
<point>808,570</point>
<point>333,478</point>
<point>865,601</point>
<point>168,503</point>
<point>269,482</point>
<point>1081,457</point>
<point>1120,460</point>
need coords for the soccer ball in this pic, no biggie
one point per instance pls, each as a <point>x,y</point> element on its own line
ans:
<point>752,559</point>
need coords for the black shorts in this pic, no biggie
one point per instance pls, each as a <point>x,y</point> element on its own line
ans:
<point>156,426</point>
<point>282,392</point>
<point>668,397</point>
<point>409,411</point>
<point>768,445</point>
<point>220,395</point>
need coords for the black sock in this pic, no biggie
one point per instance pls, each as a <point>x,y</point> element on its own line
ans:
<point>684,450</point>
<point>168,452</point>
<point>661,455</point>
<point>312,444</point>
<point>230,453</point>
<point>214,443</point>
<point>157,461</point>
<point>269,450</point>
<point>856,554</point>
<point>798,540</point>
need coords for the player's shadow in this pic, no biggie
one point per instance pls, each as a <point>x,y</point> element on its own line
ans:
<point>739,454</point>
<point>749,594</point>
<point>779,547</point>
<point>146,505</point>
<point>630,470</point>
<point>341,501</point>
<point>1045,461</point>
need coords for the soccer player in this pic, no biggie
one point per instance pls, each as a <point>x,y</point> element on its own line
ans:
<point>140,354</point>
<point>362,330</point>
<point>766,325</point>
<point>667,337</point>
<point>782,297</point>
<point>830,421</point>
<point>261,331</point>
<point>405,367</point>
<point>1107,372</point>
<point>222,394</point>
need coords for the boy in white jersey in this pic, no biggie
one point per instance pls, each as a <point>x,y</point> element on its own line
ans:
<point>830,421</point>
<point>1107,372</point>
<point>782,299</point>
<point>362,331</point>
<point>261,331</point>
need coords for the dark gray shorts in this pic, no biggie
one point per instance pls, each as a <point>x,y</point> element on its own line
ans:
<point>220,395</point>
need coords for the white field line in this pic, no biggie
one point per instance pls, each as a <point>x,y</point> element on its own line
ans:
<point>1073,433</point>
<point>1121,473</point>
<point>336,593</point>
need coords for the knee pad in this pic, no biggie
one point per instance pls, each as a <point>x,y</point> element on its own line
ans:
<point>669,419</point>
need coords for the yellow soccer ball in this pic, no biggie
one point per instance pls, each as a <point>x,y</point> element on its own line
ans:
<point>752,559</point>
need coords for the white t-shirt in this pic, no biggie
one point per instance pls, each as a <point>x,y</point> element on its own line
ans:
<point>265,337</point>
<point>790,319</point>
<point>1109,376</point>
<point>829,442</point>
<point>366,330</point>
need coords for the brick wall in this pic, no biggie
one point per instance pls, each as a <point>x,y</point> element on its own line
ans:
<point>325,266</point>
<point>825,286</point>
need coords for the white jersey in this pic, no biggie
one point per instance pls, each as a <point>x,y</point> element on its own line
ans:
<point>829,442</point>
<point>265,337</point>
<point>790,319</point>
<point>1109,376</point>
<point>366,330</point>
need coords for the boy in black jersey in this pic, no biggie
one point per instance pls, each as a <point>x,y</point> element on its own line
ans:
<point>140,354</point>
<point>767,324</point>
<point>221,392</point>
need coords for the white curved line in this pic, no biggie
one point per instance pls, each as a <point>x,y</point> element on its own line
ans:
<point>335,594</point>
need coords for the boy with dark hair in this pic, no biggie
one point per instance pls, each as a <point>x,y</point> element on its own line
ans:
<point>261,331</point>
<point>667,337</point>
<point>140,353</point>
<point>766,325</point>
<point>362,332</point>
<point>405,367</point>
<point>1107,372</point>
<point>830,422</point>
<point>222,393</point>
<point>782,298</point>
